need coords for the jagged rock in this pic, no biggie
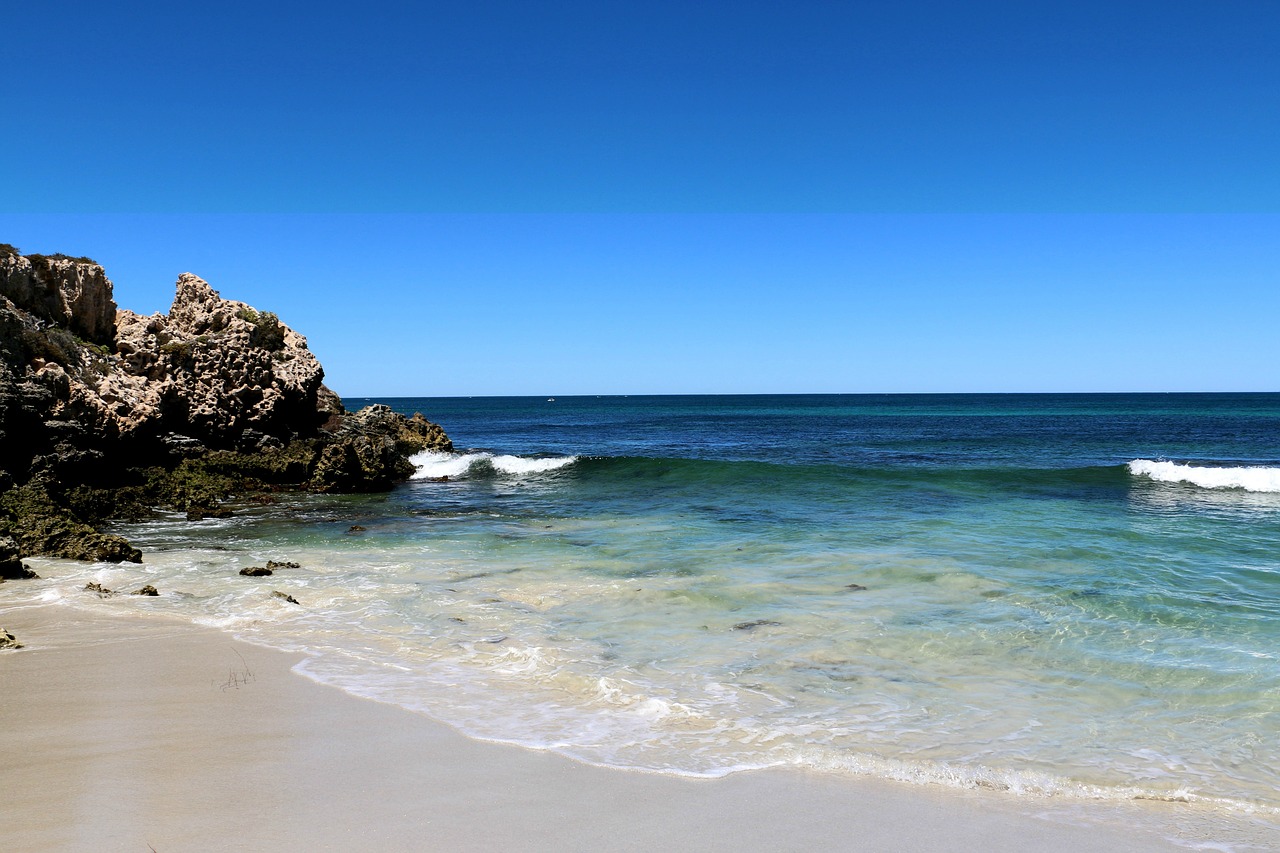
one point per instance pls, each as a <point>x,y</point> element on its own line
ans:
<point>11,568</point>
<point>99,589</point>
<point>146,590</point>
<point>284,564</point>
<point>73,293</point>
<point>40,526</point>
<point>278,594</point>
<point>17,571</point>
<point>369,451</point>
<point>256,572</point>
<point>8,641</point>
<point>105,413</point>
<point>215,370</point>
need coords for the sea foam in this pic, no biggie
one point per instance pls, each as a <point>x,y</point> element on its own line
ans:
<point>433,464</point>
<point>1251,479</point>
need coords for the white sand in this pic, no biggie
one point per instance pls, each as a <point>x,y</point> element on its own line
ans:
<point>126,733</point>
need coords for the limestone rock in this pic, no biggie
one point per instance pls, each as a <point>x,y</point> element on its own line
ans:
<point>106,413</point>
<point>73,293</point>
<point>214,371</point>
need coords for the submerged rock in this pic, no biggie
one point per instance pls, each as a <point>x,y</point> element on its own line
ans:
<point>285,564</point>
<point>275,593</point>
<point>146,590</point>
<point>99,589</point>
<point>753,624</point>
<point>256,572</point>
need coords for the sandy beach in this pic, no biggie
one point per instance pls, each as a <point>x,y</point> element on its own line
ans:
<point>136,734</point>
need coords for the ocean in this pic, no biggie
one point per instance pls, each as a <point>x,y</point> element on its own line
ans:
<point>1049,595</point>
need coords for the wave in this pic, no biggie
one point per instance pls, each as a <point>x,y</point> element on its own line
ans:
<point>1251,479</point>
<point>432,464</point>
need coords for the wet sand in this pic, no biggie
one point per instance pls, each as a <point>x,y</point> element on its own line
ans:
<point>128,734</point>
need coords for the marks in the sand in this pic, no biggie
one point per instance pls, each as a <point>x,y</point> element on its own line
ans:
<point>237,676</point>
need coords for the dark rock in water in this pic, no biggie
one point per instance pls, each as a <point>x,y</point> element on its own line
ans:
<point>284,564</point>
<point>101,590</point>
<point>355,528</point>
<point>146,590</point>
<point>40,526</point>
<point>201,513</point>
<point>289,598</point>
<point>370,450</point>
<point>256,572</point>
<point>17,571</point>
<point>11,568</point>
<point>856,587</point>
<point>8,641</point>
<point>755,623</point>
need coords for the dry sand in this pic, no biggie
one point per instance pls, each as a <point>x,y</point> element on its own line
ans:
<point>128,734</point>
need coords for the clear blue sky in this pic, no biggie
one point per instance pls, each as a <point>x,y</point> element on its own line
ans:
<point>557,198</point>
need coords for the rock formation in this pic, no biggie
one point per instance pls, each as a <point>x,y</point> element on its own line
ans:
<point>105,413</point>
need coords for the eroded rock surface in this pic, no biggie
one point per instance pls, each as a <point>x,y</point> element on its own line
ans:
<point>106,413</point>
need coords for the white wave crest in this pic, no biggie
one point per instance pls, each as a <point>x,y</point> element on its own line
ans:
<point>1251,479</point>
<point>433,464</point>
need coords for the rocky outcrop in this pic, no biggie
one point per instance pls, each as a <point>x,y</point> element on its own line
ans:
<point>106,413</point>
<point>70,293</point>
<point>11,568</point>
<point>370,449</point>
<point>216,371</point>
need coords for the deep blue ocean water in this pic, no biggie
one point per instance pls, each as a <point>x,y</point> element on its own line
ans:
<point>1046,594</point>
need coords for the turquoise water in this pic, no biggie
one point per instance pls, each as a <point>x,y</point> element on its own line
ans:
<point>1047,594</point>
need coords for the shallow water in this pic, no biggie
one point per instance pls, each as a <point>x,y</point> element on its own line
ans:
<point>973,590</point>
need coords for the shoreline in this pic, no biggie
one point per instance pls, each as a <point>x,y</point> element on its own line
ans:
<point>125,732</point>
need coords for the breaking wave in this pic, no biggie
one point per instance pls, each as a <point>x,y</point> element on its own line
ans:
<point>433,464</point>
<point>1251,479</point>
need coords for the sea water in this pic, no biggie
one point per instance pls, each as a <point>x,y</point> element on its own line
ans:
<point>1073,595</point>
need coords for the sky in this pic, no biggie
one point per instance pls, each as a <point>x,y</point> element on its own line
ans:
<point>610,197</point>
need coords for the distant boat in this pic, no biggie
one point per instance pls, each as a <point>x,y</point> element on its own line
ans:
<point>551,399</point>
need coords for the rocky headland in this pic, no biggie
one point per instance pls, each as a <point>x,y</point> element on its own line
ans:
<point>107,414</point>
